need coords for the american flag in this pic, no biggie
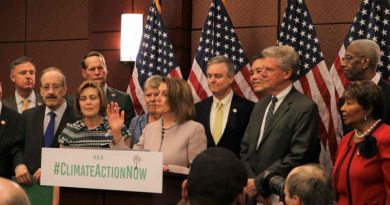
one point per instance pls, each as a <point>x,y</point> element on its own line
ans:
<point>219,38</point>
<point>372,21</point>
<point>313,80</point>
<point>155,57</point>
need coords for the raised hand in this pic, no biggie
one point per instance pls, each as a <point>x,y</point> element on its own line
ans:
<point>116,119</point>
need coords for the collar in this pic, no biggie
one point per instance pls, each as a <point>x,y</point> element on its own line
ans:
<point>376,78</point>
<point>228,98</point>
<point>19,99</point>
<point>105,88</point>
<point>1,106</point>
<point>59,111</point>
<point>284,93</point>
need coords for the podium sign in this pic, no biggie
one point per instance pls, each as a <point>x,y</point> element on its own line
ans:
<point>111,169</point>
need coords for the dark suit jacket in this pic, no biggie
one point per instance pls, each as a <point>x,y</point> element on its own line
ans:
<point>11,101</point>
<point>385,86</point>
<point>240,111</point>
<point>292,138</point>
<point>30,137</point>
<point>9,120</point>
<point>123,100</point>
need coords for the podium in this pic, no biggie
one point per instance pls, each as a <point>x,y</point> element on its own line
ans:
<point>171,194</point>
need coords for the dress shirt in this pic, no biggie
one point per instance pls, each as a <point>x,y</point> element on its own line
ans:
<point>1,105</point>
<point>32,98</point>
<point>226,101</point>
<point>376,78</point>
<point>59,113</point>
<point>280,98</point>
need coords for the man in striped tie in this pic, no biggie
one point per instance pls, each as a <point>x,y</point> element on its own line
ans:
<point>282,132</point>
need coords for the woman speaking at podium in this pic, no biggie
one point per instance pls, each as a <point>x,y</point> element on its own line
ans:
<point>176,135</point>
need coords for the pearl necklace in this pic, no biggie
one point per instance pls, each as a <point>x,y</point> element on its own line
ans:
<point>368,131</point>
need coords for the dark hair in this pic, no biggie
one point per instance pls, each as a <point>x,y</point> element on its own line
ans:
<point>180,98</point>
<point>256,57</point>
<point>20,60</point>
<point>93,53</point>
<point>102,97</point>
<point>312,184</point>
<point>368,95</point>
<point>216,176</point>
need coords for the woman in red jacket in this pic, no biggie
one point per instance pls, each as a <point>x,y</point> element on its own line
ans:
<point>361,174</point>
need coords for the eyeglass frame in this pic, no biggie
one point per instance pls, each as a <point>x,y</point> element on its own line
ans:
<point>348,58</point>
<point>55,87</point>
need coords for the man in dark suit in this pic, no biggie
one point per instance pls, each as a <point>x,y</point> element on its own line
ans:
<point>360,61</point>
<point>40,126</point>
<point>282,132</point>
<point>9,120</point>
<point>94,67</point>
<point>22,74</point>
<point>235,109</point>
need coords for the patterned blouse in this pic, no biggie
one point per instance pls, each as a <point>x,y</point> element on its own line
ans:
<point>78,134</point>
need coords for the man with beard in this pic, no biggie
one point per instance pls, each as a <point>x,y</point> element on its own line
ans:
<point>40,126</point>
<point>23,75</point>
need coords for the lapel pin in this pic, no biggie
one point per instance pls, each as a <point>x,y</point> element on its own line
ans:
<point>3,122</point>
<point>234,110</point>
<point>39,103</point>
<point>112,94</point>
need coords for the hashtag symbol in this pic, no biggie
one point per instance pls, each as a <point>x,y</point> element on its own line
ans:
<point>56,168</point>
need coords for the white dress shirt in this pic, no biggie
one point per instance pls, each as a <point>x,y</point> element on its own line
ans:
<point>59,113</point>
<point>32,98</point>
<point>226,101</point>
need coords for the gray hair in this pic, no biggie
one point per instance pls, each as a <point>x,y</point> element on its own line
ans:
<point>369,49</point>
<point>312,184</point>
<point>223,59</point>
<point>286,57</point>
<point>153,82</point>
<point>20,60</point>
<point>57,70</point>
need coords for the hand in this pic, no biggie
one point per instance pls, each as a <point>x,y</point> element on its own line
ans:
<point>22,175</point>
<point>165,168</point>
<point>251,188</point>
<point>116,120</point>
<point>37,176</point>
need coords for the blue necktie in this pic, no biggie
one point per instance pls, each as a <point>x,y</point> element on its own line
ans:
<point>49,133</point>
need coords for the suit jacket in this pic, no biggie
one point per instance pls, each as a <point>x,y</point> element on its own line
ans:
<point>291,139</point>
<point>11,101</point>
<point>9,120</point>
<point>385,87</point>
<point>123,100</point>
<point>238,117</point>
<point>30,137</point>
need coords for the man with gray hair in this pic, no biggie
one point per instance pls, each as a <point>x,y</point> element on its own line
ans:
<point>12,194</point>
<point>283,128</point>
<point>360,61</point>
<point>308,184</point>
<point>224,115</point>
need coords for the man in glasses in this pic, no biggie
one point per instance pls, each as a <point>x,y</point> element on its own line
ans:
<point>22,74</point>
<point>40,126</point>
<point>359,63</point>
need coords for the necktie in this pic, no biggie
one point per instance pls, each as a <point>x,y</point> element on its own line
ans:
<point>25,104</point>
<point>270,113</point>
<point>49,133</point>
<point>217,129</point>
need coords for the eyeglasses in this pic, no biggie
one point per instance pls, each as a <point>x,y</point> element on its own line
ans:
<point>349,57</point>
<point>54,87</point>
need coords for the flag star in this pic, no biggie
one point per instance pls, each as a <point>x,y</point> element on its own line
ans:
<point>310,27</point>
<point>387,11</point>
<point>361,32</point>
<point>365,1</point>
<point>364,11</point>
<point>362,22</point>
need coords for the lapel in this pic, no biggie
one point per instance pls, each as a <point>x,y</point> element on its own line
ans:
<point>282,109</point>
<point>38,100</point>
<point>110,95</point>
<point>13,104</point>
<point>208,104</point>
<point>258,121</point>
<point>66,117</point>
<point>38,125</point>
<point>3,122</point>
<point>232,117</point>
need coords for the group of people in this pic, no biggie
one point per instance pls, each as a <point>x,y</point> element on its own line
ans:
<point>270,149</point>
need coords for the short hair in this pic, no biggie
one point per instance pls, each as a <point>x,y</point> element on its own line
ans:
<point>216,176</point>
<point>91,84</point>
<point>368,95</point>
<point>223,59</point>
<point>20,60</point>
<point>256,57</point>
<point>57,70</point>
<point>369,49</point>
<point>286,57</point>
<point>180,99</point>
<point>93,53</point>
<point>312,184</point>
<point>153,82</point>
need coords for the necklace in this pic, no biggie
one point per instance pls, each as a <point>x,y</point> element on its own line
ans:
<point>368,131</point>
